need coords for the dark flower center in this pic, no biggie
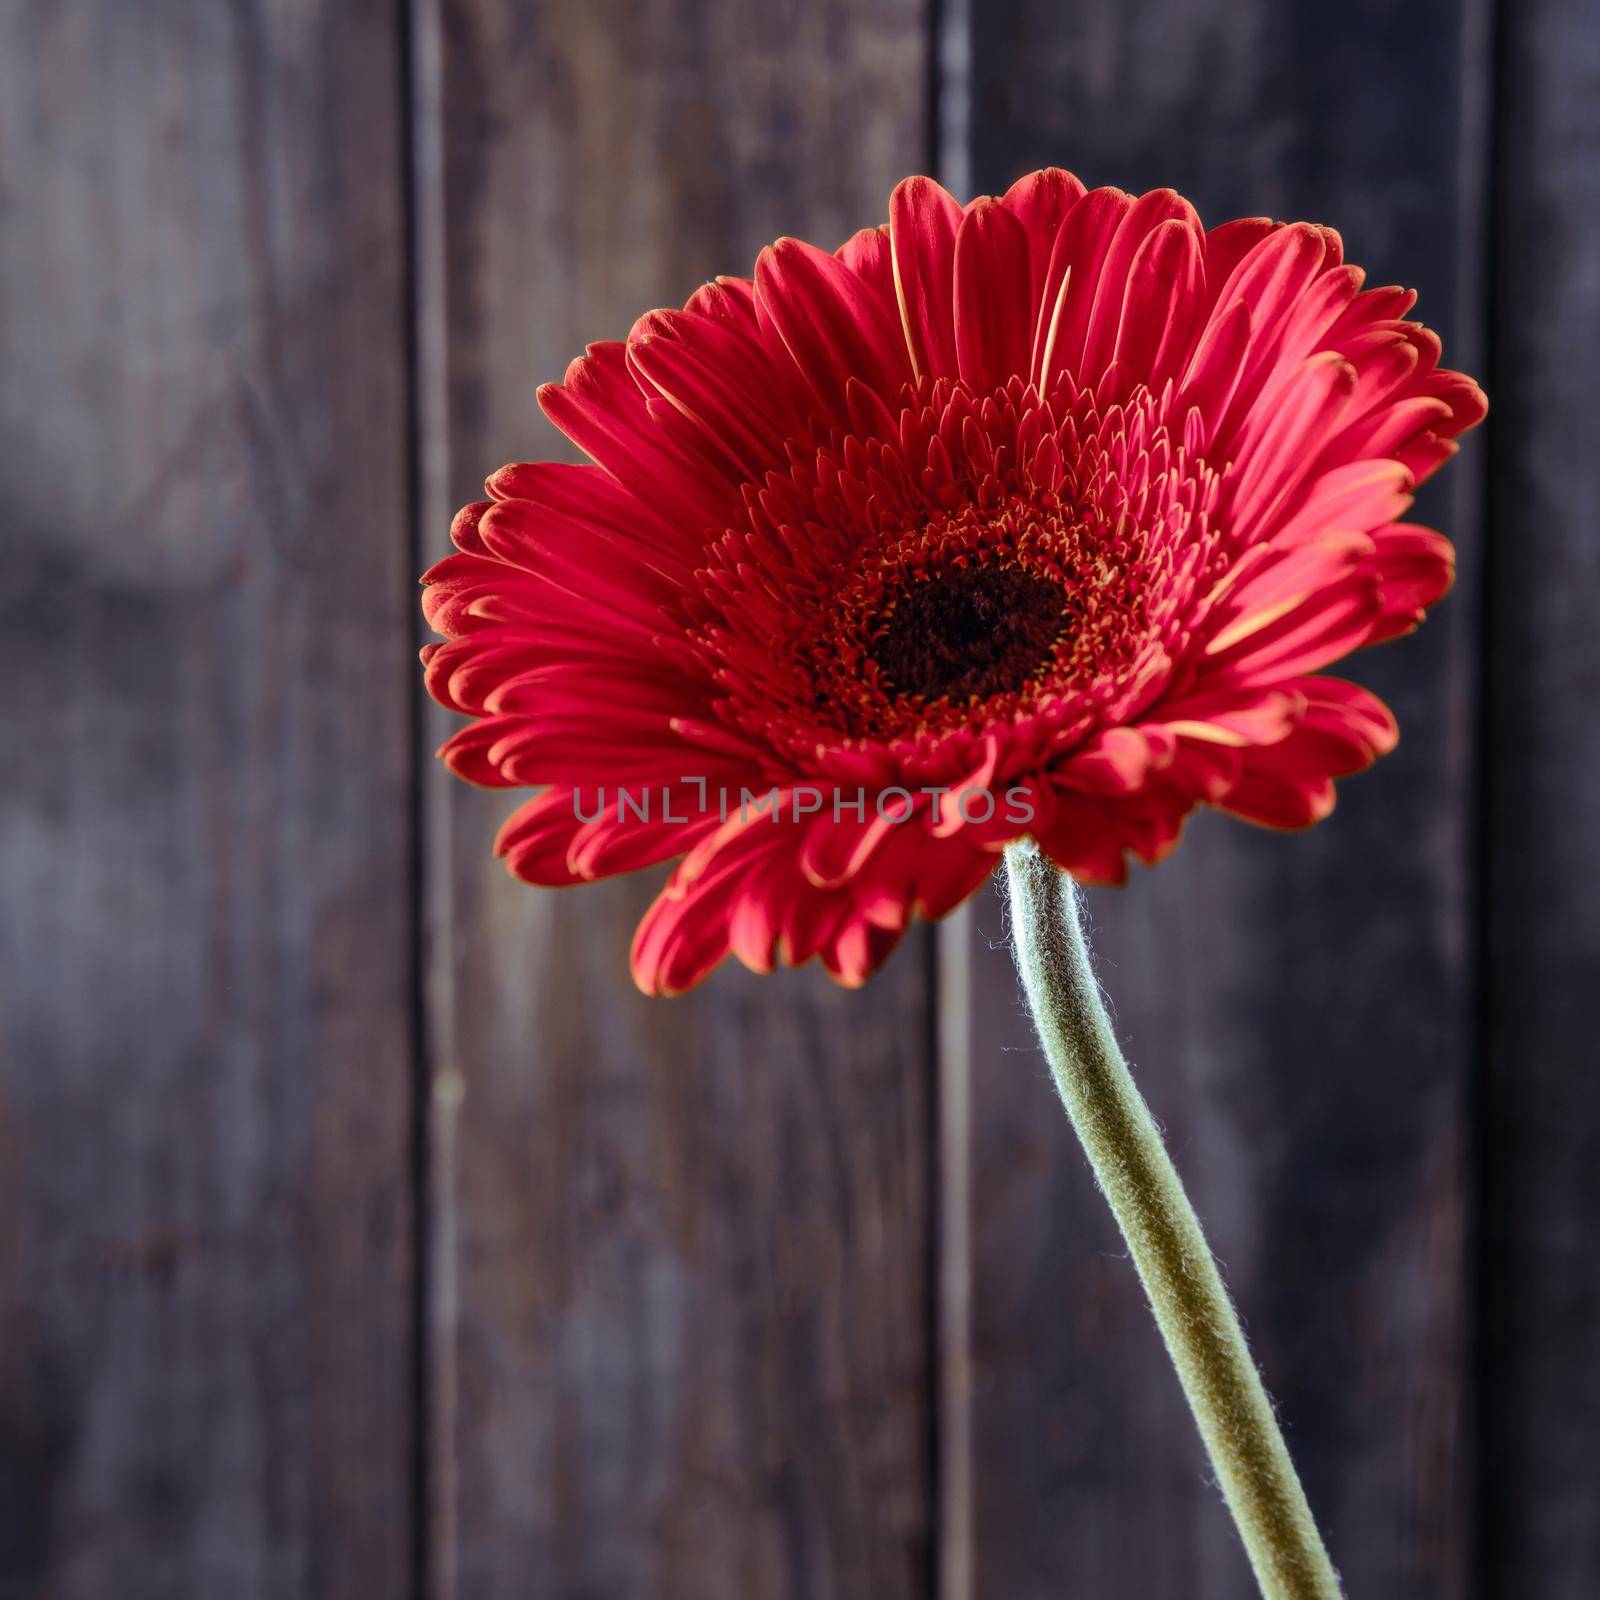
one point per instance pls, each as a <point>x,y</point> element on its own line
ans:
<point>968,632</point>
<point>966,563</point>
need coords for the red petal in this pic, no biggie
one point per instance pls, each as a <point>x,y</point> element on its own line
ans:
<point>1072,281</point>
<point>577,489</point>
<point>1213,373</point>
<point>468,753</point>
<point>606,847</point>
<point>1280,446</point>
<point>722,380</point>
<point>829,323</point>
<point>1142,218</point>
<point>923,220</point>
<point>993,315</point>
<point>1272,581</point>
<point>535,837</point>
<point>1290,784</point>
<point>1041,202</point>
<point>1274,273</point>
<point>835,850</point>
<point>1361,496</point>
<point>1330,622</point>
<point>1226,246</point>
<point>600,408</point>
<point>1415,567</point>
<point>859,948</point>
<point>1229,718</point>
<point>1115,761</point>
<point>1160,313</point>
<point>462,673</point>
<point>606,569</point>
<point>1280,799</point>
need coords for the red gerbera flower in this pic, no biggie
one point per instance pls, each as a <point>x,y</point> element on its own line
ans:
<point>1039,515</point>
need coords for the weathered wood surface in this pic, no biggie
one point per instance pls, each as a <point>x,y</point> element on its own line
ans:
<point>681,1305</point>
<point>206,1372</point>
<point>1541,1134</point>
<point>1301,1010</point>
<point>773,1291</point>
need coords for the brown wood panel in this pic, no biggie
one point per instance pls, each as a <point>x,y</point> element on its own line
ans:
<point>1541,1382</point>
<point>205,1061</point>
<point>680,1249</point>
<point>1299,1009</point>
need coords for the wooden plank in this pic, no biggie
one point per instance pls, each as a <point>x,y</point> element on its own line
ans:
<point>1299,1009</point>
<point>205,1096</point>
<point>680,1307</point>
<point>1542,1184</point>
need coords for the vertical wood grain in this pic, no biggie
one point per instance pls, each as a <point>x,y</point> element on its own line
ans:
<point>684,1257</point>
<point>1541,1141</point>
<point>682,1308</point>
<point>1300,1010</point>
<point>205,1062</point>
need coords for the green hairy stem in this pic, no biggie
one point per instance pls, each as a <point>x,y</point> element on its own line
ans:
<point>1180,1276</point>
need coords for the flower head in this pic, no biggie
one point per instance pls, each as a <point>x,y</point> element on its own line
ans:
<point>1036,516</point>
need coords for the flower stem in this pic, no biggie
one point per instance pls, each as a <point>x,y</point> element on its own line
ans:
<point>1175,1264</point>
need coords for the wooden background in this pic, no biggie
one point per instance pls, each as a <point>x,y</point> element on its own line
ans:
<point>363,1233</point>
